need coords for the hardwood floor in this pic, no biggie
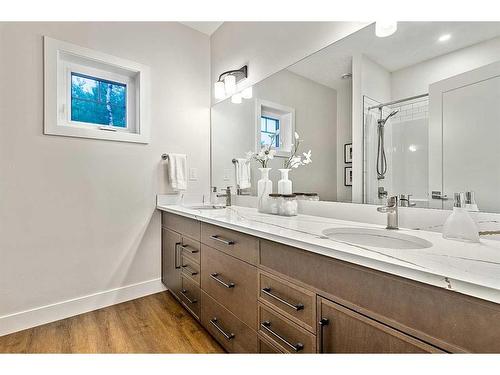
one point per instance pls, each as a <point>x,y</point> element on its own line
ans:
<point>152,324</point>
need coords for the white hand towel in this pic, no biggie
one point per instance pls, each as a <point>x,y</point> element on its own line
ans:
<point>243,173</point>
<point>177,171</point>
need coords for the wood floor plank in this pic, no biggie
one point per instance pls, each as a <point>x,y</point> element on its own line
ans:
<point>152,324</point>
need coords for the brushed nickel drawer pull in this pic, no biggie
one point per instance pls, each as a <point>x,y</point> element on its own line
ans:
<point>216,237</point>
<point>191,301</point>
<point>296,307</point>
<point>295,347</point>
<point>190,270</point>
<point>229,336</point>
<point>189,249</point>
<point>215,276</point>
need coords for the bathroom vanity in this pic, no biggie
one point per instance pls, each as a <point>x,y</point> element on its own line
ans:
<point>265,284</point>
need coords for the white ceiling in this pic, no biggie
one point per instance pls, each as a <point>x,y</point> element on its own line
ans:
<point>206,27</point>
<point>412,43</point>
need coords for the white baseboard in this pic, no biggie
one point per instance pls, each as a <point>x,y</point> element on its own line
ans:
<point>65,309</point>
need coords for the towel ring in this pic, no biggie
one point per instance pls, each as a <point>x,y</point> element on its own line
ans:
<point>234,161</point>
<point>164,156</point>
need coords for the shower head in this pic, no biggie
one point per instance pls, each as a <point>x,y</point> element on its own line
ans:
<point>390,115</point>
<point>382,122</point>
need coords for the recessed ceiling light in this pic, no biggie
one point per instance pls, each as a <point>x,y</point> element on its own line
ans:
<point>444,37</point>
<point>385,28</point>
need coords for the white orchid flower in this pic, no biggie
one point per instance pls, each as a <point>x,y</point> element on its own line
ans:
<point>307,156</point>
<point>297,135</point>
<point>271,154</point>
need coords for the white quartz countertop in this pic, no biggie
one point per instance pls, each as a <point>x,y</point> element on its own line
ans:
<point>472,269</point>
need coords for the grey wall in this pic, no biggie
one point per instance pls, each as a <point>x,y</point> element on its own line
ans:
<point>77,216</point>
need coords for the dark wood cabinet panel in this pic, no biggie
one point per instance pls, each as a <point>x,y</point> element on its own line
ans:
<point>285,334</point>
<point>171,261</point>
<point>234,335</point>
<point>180,224</point>
<point>232,282</point>
<point>296,303</point>
<point>345,331</point>
<point>238,245</point>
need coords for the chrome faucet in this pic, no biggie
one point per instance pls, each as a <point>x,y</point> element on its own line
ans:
<point>227,195</point>
<point>391,208</point>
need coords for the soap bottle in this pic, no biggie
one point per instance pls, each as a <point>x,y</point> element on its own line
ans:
<point>459,226</point>
<point>470,202</point>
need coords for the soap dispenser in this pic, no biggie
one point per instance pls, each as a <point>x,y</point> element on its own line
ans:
<point>459,226</point>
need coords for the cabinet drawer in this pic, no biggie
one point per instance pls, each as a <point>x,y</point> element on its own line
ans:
<point>191,249</point>
<point>265,347</point>
<point>239,245</point>
<point>285,334</point>
<point>190,269</point>
<point>231,282</point>
<point>181,224</point>
<point>227,329</point>
<point>190,296</point>
<point>296,303</point>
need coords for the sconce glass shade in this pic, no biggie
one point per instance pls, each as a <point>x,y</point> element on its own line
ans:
<point>236,99</point>
<point>230,84</point>
<point>247,93</point>
<point>219,90</point>
<point>385,28</point>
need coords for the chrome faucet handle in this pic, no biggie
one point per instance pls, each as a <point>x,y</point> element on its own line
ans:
<point>392,201</point>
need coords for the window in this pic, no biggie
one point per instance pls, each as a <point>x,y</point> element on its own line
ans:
<point>90,94</point>
<point>268,128</point>
<point>98,101</point>
<point>271,118</point>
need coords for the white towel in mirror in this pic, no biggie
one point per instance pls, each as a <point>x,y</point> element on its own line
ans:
<point>177,171</point>
<point>243,173</point>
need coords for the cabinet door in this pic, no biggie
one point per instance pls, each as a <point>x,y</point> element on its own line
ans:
<point>342,330</point>
<point>171,261</point>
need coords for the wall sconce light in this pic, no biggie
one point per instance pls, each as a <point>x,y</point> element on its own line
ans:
<point>227,83</point>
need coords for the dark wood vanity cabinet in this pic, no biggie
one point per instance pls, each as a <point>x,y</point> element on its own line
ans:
<point>180,270</point>
<point>341,330</point>
<point>171,268</point>
<point>255,295</point>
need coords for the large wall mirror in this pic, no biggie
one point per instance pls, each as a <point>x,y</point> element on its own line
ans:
<point>416,114</point>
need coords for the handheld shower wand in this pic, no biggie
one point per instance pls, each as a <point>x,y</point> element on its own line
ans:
<point>381,158</point>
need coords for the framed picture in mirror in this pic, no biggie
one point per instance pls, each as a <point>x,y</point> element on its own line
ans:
<point>348,153</point>
<point>348,176</point>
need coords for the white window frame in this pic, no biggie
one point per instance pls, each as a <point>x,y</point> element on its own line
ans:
<point>286,117</point>
<point>61,59</point>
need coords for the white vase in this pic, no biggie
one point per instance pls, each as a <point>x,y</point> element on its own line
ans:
<point>264,188</point>
<point>284,184</point>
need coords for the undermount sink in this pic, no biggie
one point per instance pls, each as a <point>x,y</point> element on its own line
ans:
<point>382,238</point>
<point>206,207</point>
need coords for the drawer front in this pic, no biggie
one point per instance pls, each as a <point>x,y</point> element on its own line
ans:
<point>231,282</point>
<point>190,269</point>
<point>227,329</point>
<point>181,224</point>
<point>265,347</point>
<point>239,245</point>
<point>296,303</point>
<point>191,249</point>
<point>191,296</point>
<point>285,334</point>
